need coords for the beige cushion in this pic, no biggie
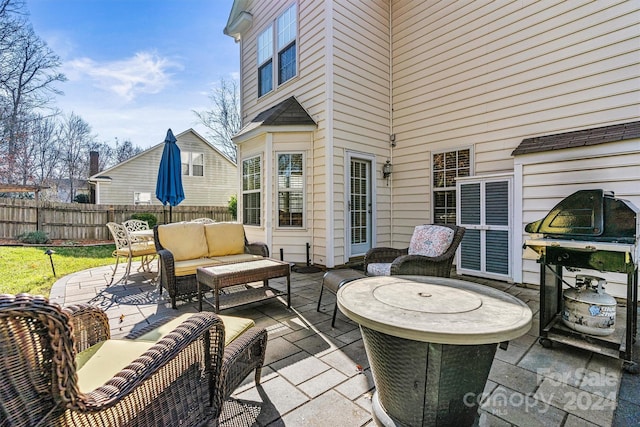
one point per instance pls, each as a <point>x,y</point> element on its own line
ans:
<point>233,259</point>
<point>184,240</point>
<point>224,238</point>
<point>100,362</point>
<point>233,328</point>
<point>189,266</point>
<point>138,249</point>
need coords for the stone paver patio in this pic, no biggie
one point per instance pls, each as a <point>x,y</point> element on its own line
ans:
<point>316,375</point>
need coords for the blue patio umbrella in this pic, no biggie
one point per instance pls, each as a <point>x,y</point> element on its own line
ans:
<point>169,186</point>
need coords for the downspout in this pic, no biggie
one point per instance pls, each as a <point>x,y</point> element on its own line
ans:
<point>269,182</point>
<point>392,141</point>
<point>329,202</point>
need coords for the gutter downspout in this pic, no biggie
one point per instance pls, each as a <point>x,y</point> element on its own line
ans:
<point>329,192</point>
<point>391,143</point>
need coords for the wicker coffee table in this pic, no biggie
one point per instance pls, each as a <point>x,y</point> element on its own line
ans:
<point>430,343</point>
<point>223,276</point>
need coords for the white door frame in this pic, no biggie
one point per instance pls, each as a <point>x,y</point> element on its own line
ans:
<point>349,155</point>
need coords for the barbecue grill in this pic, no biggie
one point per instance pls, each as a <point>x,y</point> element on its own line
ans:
<point>590,229</point>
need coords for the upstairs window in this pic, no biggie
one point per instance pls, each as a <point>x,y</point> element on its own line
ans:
<point>285,60</point>
<point>287,45</point>
<point>192,163</point>
<point>265,61</point>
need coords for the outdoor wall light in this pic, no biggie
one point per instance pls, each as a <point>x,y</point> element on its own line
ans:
<point>387,169</point>
<point>51,252</point>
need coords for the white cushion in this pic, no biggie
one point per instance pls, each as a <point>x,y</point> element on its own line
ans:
<point>379,269</point>
<point>430,240</point>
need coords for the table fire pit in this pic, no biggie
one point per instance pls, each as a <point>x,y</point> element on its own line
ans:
<point>430,343</point>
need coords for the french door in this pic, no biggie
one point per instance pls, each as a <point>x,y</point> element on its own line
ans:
<point>359,205</point>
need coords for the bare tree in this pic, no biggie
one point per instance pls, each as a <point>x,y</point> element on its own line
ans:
<point>223,120</point>
<point>76,139</point>
<point>125,150</point>
<point>44,137</point>
<point>28,73</point>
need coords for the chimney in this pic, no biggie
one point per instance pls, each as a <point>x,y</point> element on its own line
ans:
<point>93,163</point>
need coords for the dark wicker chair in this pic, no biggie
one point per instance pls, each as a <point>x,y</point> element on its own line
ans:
<point>187,286</point>
<point>419,265</point>
<point>181,380</point>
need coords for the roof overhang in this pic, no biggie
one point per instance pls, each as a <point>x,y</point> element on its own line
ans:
<point>239,20</point>
<point>251,132</point>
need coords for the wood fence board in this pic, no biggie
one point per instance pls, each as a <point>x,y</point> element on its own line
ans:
<point>75,221</point>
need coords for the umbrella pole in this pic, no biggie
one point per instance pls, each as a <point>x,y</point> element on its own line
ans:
<point>170,208</point>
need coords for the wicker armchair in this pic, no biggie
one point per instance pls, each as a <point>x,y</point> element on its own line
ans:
<point>400,262</point>
<point>177,381</point>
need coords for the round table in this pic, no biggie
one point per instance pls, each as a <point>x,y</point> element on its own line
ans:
<point>430,343</point>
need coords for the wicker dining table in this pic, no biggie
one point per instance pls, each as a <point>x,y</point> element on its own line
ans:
<point>430,342</point>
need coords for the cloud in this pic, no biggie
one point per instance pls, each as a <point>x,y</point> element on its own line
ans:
<point>143,73</point>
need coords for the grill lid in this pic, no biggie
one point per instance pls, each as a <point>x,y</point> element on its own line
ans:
<point>590,215</point>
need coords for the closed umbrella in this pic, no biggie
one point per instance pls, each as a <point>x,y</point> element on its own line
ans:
<point>169,186</point>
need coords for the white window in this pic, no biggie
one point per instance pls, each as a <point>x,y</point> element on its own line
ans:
<point>140,198</point>
<point>265,61</point>
<point>251,190</point>
<point>290,190</point>
<point>192,163</point>
<point>286,27</point>
<point>446,167</point>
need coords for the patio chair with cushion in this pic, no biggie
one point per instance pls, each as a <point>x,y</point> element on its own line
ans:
<point>430,253</point>
<point>62,368</point>
<point>128,248</point>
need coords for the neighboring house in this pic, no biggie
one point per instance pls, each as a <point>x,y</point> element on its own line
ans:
<point>446,93</point>
<point>59,189</point>
<point>209,178</point>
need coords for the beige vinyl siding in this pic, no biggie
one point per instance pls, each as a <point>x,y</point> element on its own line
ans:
<point>309,88</point>
<point>140,173</point>
<point>551,176</point>
<point>362,121</point>
<point>489,74</point>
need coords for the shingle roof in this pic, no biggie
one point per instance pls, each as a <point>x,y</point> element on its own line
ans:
<point>288,112</point>
<point>580,138</point>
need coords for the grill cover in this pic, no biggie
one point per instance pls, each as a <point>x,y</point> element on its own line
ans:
<point>594,215</point>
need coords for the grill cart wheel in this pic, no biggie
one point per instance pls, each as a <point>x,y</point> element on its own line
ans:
<point>545,342</point>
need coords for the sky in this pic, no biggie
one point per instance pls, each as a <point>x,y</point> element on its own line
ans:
<point>136,68</point>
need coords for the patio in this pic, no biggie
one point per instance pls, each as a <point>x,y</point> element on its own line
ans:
<point>318,375</point>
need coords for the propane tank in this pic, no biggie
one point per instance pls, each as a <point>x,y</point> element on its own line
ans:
<point>588,308</point>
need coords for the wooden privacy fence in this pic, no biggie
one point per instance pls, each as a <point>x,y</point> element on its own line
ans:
<point>77,221</point>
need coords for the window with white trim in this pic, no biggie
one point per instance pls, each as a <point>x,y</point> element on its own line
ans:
<point>192,163</point>
<point>290,190</point>
<point>251,190</point>
<point>446,167</point>
<point>141,198</point>
<point>284,63</point>
<point>265,61</point>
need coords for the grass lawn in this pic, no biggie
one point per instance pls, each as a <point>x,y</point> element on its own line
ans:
<point>28,269</point>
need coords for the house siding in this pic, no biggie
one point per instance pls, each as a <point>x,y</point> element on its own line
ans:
<point>361,116</point>
<point>489,74</point>
<point>140,174</point>
<point>549,177</point>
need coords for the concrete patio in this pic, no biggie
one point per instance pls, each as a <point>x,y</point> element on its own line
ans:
<point>316,375</point>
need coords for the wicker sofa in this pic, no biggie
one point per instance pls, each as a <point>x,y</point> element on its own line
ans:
<point>62,368</point>
<point>185,246</point>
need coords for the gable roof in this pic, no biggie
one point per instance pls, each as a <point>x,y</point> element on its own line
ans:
<point>286,113</point>
<point>579,138</point>
<point>103,175</point>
